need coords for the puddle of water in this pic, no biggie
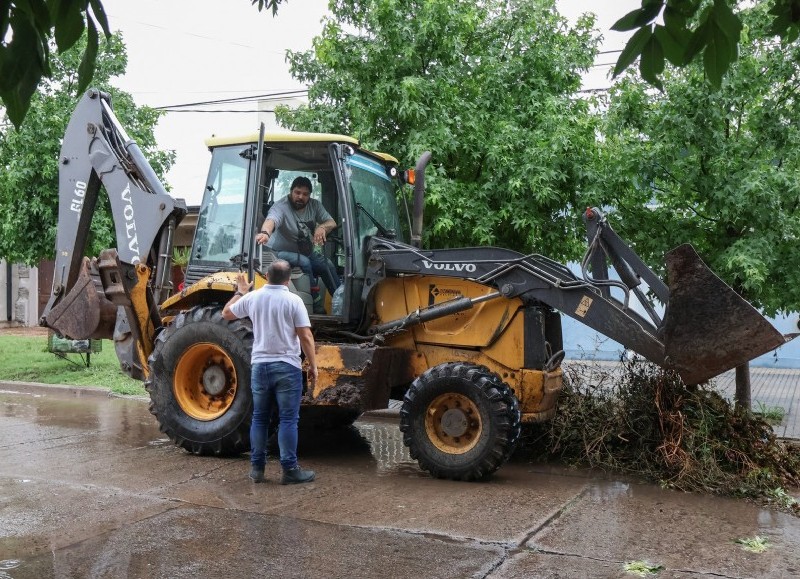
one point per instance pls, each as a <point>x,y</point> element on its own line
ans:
<point>387,448</point>
<point>609,489</point>
<point>9,564</point>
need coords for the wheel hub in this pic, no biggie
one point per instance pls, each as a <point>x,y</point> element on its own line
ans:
<point>214,380</point>
<point>454,422</point>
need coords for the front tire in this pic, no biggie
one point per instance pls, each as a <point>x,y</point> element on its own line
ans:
<point>460,421</point>
<point>199,382</point>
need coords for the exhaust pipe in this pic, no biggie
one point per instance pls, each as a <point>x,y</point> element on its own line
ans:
<point>419,198</point>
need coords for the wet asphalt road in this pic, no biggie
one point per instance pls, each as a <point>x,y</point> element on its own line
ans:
<point>90,488</point>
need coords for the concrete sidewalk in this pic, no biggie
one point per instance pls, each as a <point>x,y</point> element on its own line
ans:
<point>770,388</point>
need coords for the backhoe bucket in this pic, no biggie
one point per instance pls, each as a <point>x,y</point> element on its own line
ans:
<point>84,312</point>
<point>708,329</point>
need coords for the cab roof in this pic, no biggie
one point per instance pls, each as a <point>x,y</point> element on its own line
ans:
<point>293,137</point>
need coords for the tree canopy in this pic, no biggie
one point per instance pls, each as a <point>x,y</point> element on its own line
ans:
<point>29,156</point>
<point>487,87</point>
<point>717,168</point>
<point>683,31</point>
<point>27,28</point>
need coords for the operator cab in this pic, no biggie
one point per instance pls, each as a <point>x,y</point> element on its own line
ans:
<point>357,187</point>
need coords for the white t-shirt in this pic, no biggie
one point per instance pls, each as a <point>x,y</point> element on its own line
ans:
<point>275,313</point>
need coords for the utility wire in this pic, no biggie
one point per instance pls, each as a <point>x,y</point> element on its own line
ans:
<point>233,100</point>
<point>220,111</point>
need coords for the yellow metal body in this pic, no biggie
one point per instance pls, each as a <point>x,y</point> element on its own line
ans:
<point>197,294</point>
<point>358,376</point>
<point>144,347</point>
<point>489,334</point>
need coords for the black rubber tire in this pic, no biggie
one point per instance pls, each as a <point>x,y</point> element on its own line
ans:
<point>499,412</point>
<point>229,433</point>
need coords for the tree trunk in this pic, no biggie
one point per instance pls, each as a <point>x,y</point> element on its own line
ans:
<point>743,386</point>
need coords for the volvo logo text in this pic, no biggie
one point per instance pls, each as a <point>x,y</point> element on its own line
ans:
<point>130,224</point>
<point>467,267</point>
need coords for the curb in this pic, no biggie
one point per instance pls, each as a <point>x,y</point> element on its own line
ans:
<point>10,386</point>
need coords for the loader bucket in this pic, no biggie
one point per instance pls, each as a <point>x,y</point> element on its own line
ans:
<point>84,312</point>
<point>708,328</point>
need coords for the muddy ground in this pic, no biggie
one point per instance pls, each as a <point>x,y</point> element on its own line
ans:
<point>22,331</point>
<point>90,488</point>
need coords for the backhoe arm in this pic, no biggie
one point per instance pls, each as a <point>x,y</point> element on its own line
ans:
<point>706,328</point>
<point>86,294</point>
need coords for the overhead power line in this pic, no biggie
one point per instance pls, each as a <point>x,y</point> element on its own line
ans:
<point>234,100</point>
<point>220,111</point>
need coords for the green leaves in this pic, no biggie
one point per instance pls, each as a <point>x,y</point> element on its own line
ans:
<point>786,19</point>
<point>652,61</point>
<point>717,168</point>
<point>639,17</point>
<point>633,49</point>
<point>25,57</point>
<point>86,68</point>
<point>68,16</point>
<point>29,155</point>
<point>267,4</point>
<point>715,35</point>
<point>489,88</point>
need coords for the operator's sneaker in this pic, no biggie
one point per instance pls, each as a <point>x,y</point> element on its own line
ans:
<point>296,475</point>
<point>257,474</point>
<point>319,304</point>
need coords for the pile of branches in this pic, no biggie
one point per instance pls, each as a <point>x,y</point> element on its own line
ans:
<point>640,419</point>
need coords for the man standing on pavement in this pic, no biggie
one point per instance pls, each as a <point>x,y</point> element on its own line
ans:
<point>281,327</point>
<point>294,225</point>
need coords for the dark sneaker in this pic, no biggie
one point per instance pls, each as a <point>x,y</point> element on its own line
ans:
<point>257,474</point>
<point>297,475</point>
<point>319,305</point>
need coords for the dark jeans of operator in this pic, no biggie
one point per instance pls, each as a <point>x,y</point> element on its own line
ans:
<point>282,383</point>
<point>313,265</point>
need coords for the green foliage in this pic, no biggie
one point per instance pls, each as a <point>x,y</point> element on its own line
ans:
<point>642,420</point>
<point>180,256</point>
<point>488,88</point>
<point>27,28</point>
<point>693,28</point>
<point>642,568</point>
<point>267,5</point>
<point>715,168</point>
<point>755,544</point>
<point>772,414</point>
<point>29,156</point>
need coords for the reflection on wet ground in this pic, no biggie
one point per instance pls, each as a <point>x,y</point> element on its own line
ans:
<point>89,487</point>
<point>386,445</point>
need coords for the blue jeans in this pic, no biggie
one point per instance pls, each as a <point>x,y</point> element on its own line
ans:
<point>313,265</point>
<point>282,383</point>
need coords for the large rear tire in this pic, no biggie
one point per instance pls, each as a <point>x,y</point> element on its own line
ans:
<point>199,382</point>
<point>460,421</point>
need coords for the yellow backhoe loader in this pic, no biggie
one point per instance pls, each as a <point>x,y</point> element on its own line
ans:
<point>469,339</point>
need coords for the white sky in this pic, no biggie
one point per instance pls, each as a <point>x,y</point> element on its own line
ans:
<point>184,52</point>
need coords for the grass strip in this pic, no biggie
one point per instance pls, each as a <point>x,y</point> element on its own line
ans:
<point>26,359</point>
